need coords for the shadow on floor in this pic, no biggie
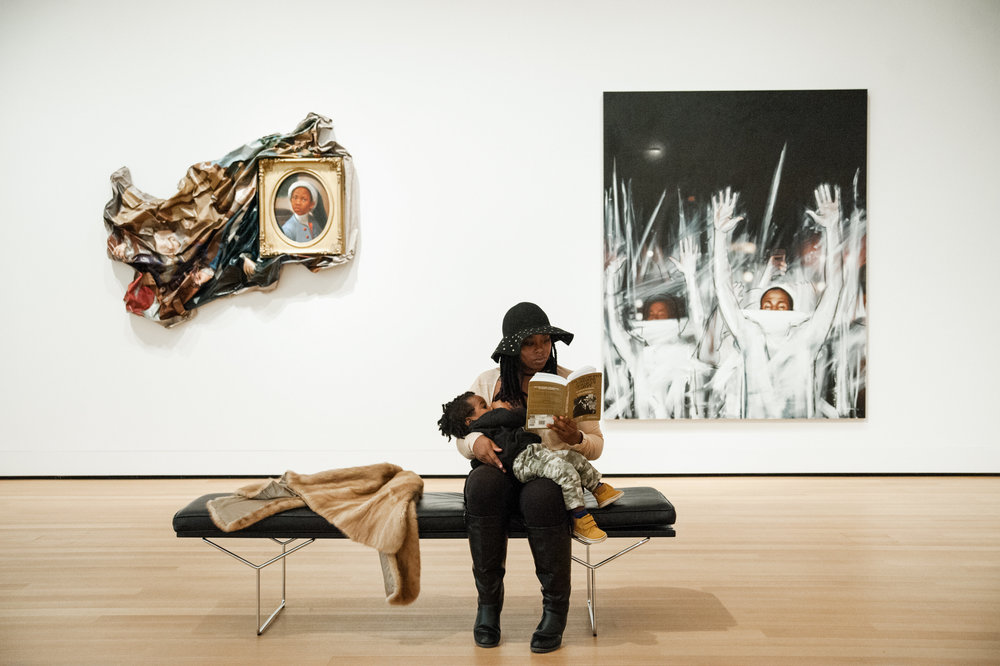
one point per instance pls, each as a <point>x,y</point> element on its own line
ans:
<point>634,615</point>
<point>640,615</point>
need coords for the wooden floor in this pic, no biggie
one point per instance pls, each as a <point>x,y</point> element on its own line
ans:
<point>811,570</point>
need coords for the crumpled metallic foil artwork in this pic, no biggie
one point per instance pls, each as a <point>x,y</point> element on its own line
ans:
<point>203,242</point>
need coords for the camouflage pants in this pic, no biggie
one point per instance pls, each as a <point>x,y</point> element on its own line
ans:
<point>569,469</point>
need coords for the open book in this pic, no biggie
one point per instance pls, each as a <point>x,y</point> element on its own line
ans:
<point>577,396</point>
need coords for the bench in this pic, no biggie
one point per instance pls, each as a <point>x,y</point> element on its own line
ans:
<point>642,513</point>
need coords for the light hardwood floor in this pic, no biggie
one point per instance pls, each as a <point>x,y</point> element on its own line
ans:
<point>764,570</point>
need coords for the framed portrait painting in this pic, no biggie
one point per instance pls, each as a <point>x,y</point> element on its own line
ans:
<point>301,206</point>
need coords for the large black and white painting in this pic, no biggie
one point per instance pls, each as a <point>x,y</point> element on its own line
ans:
<point>735,254</point>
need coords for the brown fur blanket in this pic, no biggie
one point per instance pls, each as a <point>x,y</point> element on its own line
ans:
<point>374,505</point>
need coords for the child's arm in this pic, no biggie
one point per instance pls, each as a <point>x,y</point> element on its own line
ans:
<point>500,418</point>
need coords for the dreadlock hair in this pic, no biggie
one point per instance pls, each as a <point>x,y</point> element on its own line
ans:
<point>510,378</point>
<point>452,422</point>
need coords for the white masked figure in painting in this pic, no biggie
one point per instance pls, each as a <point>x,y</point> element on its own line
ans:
<point>668,376</point>
<point>777,345</point>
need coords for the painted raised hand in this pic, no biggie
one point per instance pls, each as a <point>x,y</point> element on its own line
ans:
<point>723,209</point>
<point>688,253</point>
<point>827,211</point>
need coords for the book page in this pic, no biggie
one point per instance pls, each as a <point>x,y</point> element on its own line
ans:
<point>585,370</point>
<point>546,400</point>
<point>584,396</point>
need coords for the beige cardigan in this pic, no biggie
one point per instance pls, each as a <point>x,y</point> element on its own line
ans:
<point>593,439</point>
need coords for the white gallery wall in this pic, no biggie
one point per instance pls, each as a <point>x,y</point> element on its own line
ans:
<point>476,130</point>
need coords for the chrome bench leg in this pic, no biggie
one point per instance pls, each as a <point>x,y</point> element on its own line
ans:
<point>592,576</point>
<point>257,567</point>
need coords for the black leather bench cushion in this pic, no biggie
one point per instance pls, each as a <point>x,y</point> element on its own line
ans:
<point>642,511</point>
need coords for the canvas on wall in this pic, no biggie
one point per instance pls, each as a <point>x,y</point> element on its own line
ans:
<point>735,254</point>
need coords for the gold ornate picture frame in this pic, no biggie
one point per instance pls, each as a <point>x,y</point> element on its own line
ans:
<point>301,206</point>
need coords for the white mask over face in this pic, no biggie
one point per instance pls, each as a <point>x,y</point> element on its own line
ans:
<point>776,324</point>
<point>657,331</point>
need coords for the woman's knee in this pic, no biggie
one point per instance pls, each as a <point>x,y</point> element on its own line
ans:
<point>488,492</point>
<point>542,504</point>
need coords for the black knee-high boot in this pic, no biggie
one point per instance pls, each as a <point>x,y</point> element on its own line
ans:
<point>488,544</point>
<point>551,548</point>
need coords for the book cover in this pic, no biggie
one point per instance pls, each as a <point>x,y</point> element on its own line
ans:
<point>577,396</point>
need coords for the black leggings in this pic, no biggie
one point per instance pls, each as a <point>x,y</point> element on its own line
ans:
<point>490,492</point>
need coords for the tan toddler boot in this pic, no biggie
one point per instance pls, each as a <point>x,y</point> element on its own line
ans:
<point>586,530</point>
<point>606,495</point>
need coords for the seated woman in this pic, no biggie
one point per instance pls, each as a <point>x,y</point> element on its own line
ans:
<point>491,496</point>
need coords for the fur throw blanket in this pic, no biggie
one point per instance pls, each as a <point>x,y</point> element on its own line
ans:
<point>374,505</point>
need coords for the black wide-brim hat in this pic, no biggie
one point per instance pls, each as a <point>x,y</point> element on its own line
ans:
<point>522,321</point>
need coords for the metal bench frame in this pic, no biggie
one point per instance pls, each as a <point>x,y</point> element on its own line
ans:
<point>257,567</point>
<point>285,552</point>
<point>592,576</point>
